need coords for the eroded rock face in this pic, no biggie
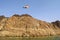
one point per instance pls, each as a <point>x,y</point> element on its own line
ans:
<point>1,17</point>
<point>26,25</point>
<point>57,23</point>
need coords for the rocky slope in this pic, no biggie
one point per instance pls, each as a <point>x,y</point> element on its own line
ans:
<point>27,26</point>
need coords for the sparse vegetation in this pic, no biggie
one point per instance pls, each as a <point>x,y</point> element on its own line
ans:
<point>31,38</point>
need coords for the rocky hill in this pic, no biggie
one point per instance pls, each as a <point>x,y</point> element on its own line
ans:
<point>27,26</point>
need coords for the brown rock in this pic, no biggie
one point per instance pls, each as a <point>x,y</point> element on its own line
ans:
<point>25,25</point>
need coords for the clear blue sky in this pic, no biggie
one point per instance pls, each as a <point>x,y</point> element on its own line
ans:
<point>47,10</point>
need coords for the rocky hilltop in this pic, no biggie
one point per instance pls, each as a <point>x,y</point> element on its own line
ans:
<point>27,26</point>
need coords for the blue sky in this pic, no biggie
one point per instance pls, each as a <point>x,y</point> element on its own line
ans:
<point>47,10</point>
